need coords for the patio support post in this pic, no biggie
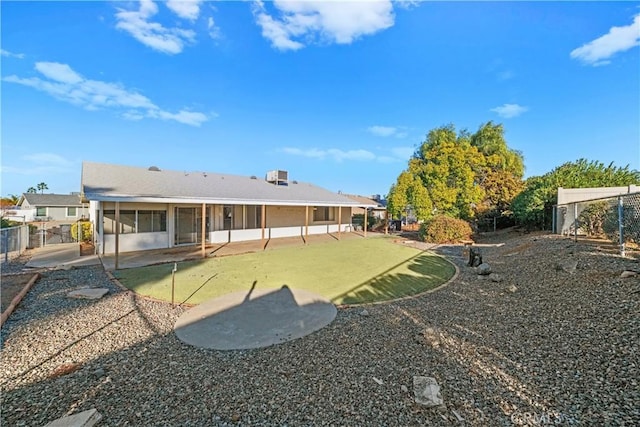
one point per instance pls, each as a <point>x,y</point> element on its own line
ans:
<point>366,214</point>
<point>263,222</point>
<point>306,224</point>
<point>339,222</point>
<point>204,229</point>
<point>117,234</point>
<point>386,221</point>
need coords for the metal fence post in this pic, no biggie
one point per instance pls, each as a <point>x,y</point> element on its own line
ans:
<point>621,224</point>
<point>575,221</point>
<point>6,245</point>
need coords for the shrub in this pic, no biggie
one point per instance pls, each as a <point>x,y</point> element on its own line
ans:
<point>358,219</point>
<point>444,229</point>
<point>593,218</point>
<point>86,231</point>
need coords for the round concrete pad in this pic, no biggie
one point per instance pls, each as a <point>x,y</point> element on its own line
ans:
<point>259,318</point>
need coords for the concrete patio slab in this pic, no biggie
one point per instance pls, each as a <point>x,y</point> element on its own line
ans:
<point>254,319</point>
<point>61,255</point>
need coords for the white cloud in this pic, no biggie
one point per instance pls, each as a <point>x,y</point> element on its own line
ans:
<point>153,34</point>
<point>618,39</point>
<point>304,22</point>
<point>335,153</point>
<point>11,54</point>
<point>213,29</point>
<point>338,155</point>
<point>382,130</point>
<point>407,4</point>
<point>360,155</point>
<point>59,72</point>
<point>63,83</point>
<point>509,110</point>
<point>42,164</point>
<point>187,9</point>
<point>386,131</point>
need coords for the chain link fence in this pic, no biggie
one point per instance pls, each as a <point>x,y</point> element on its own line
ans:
<point>13,242</point>
<point>614,218</point>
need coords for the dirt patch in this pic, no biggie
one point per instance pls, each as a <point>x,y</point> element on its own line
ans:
<point>11,286</point>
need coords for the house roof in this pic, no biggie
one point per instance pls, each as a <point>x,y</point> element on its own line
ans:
<point>35,199</point>
<point>107,182</point>
<point>366,201</point>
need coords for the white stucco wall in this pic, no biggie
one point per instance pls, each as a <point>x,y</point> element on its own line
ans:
<point>570,195</point>
<point>569,206</point>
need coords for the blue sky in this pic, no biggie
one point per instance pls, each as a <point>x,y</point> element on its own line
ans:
<point>339,94</point>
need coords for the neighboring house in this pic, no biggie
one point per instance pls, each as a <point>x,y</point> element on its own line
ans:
<point>57,208</point>
<point>137,208</point>
<point>569,203</point>
<point>379,209</point>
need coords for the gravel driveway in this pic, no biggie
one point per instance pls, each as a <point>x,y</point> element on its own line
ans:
<point>560,348</point>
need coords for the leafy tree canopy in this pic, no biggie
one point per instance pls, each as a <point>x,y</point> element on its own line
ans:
<point>532,205</point>
<point>459,174</point>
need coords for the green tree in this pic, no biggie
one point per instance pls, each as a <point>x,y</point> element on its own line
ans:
<point>31,190</point>
<point>501,177</point>
<point>442,176</point>
<point>532,207</point>
<point>42,186</point>
<point>409,192</point>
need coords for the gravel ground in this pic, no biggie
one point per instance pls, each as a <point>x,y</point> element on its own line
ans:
<point>560,348</point>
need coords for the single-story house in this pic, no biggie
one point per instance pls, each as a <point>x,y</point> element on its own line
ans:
<point>136,208</point>
<point>58,208</point>
<point>379,209</point>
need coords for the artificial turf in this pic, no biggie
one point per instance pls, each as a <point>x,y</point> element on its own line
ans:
<point>345,272</point>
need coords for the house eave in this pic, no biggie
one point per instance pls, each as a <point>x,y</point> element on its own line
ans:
<point>219,201</point>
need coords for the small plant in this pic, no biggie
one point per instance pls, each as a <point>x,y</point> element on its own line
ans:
<point>358,219</point>
<point>444,229</point>
<point>86,231</point>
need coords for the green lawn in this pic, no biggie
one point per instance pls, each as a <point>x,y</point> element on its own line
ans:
<point>346,272</point>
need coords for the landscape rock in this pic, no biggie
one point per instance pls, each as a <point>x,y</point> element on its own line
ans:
<point>484,269</point>
<point>82,419</point>
<point>512,289</point>
<point>88,293</point>
<point>628,273</point>
<point>496,278</point>
<point>427,391</point>
<point>568,266</point>
<point>364,312</point>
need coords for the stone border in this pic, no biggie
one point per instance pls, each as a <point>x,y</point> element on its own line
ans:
<point>16,300</point>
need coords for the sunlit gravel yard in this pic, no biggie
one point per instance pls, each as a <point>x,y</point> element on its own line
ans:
<point>535,340</point>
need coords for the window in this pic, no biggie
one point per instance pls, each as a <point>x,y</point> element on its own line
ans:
<point>254,216</point>
<point>72,211</point>
<point>323,213</point>
<point>127,222</point>
<point>41,211</point>
<point>135,221</point>
<point>150,221</point>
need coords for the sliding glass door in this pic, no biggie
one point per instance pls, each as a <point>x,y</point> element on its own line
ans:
<point>188,226</point>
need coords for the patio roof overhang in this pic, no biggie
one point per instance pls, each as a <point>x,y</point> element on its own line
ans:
<point>220,201</point>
